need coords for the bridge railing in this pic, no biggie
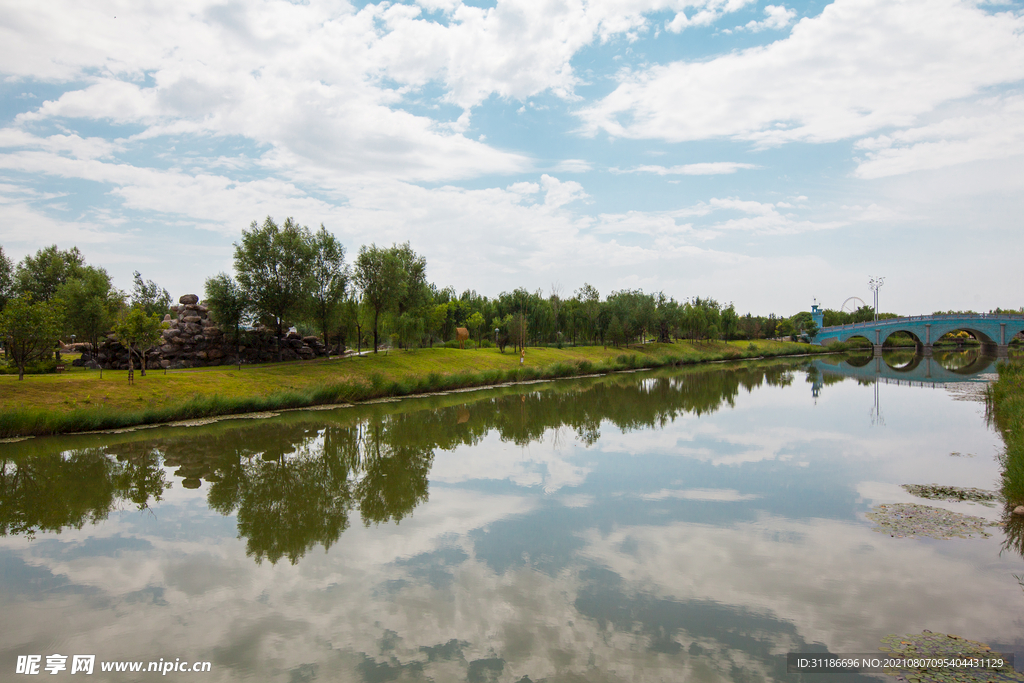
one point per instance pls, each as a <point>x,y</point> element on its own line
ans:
<point>871,324</point>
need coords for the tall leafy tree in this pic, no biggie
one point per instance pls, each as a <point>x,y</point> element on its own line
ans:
<point>380,276</point>
<point>351,321</point>
<point>590,307</point>
<point>90,304</point>
<point>30,330</point>
<point>6,278</point>
<point>475,323</point>
<point>416,291</point>
<point>273,266</point>
<point>138,332</point>
<point>148,295</point>
<point>328,278</point>
<point>40,275</point>
<point>228,304</point>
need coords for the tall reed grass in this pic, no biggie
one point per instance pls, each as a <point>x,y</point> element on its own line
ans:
<point>1006,408</point>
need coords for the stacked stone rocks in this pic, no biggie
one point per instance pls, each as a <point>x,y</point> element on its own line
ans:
<point>191,340</point>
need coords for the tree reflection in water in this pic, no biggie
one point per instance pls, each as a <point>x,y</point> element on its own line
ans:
<point>302,484</point>
<point>293,482</point>
<point>57,490</point>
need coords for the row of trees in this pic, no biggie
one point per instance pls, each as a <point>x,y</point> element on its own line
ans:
<point>53,294</point>
<point>288,275</point>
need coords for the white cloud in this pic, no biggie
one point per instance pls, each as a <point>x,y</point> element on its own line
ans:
<point>704,14</point>
<point>993,128</point>
<point>317,103</point>
<point>707,168</point>
<point>572,166</point>
<point>115,100</point>
<point>559,193</point>
<point>776,17</point>
<point>524,188</point>
<point>76,146</point>
<point>25,228</point>
<point>765,218</point>
<point>860,66</point>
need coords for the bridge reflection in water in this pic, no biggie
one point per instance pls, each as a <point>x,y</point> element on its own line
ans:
<point>908,367</point>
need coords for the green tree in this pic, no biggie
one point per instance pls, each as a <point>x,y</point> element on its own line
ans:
<point>351,320</point>
<point>138,332</point>
<point>379,275</point>
<point>416,292</point>
<point>409,328</point>
<point>439,318</point>
<point>590,307</point>
<point>152,298</point>
<point>417,297</point>
<point>39,276</point>
<point>329,277</point>
<point>273,266</point>
<point>616,333</point>
<point>475,323</point>
<point>804,325</point>
<point>90,304</point>
<point>6,278</point>
<point>30,330</point>
<point>730,322</point>
<point>228,304</point>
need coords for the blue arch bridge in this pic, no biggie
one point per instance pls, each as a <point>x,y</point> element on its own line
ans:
<point>994,331</point>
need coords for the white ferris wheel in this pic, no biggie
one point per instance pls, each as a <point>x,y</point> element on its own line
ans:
<point>852,304</point>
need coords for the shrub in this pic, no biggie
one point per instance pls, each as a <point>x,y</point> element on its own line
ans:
<point>39,367</point>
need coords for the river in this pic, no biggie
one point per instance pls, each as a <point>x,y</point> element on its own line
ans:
<point>682,524</point>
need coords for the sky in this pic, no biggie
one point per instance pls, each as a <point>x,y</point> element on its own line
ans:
<point>762,154</point>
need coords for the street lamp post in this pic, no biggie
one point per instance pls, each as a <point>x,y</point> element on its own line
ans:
<point>875,283</point>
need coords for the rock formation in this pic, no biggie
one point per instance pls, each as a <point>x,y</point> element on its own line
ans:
<point>191,340</point>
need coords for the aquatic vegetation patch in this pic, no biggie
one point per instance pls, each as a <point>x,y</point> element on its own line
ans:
<point>944,646</point>
<point>940,492</point>
<point>909,520</point>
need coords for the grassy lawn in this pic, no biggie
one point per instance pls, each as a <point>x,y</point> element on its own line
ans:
<point>79,399</point>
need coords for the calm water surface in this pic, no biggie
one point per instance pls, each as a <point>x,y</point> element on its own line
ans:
<point>663,526</point>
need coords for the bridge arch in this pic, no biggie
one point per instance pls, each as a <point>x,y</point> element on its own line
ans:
<point>893,330</point>
<point>940,331</point>
<point>859,335</point>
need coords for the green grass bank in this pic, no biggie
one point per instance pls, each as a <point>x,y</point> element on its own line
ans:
<point>83,401</point>
<point>1007,411</point>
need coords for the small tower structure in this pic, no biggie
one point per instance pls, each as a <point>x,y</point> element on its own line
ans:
<point>817,314</point>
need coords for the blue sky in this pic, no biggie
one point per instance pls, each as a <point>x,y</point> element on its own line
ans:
<point>761,153</point>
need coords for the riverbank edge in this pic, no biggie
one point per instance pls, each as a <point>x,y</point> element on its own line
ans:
<point>1006,404</point>
<point>28,421</point>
